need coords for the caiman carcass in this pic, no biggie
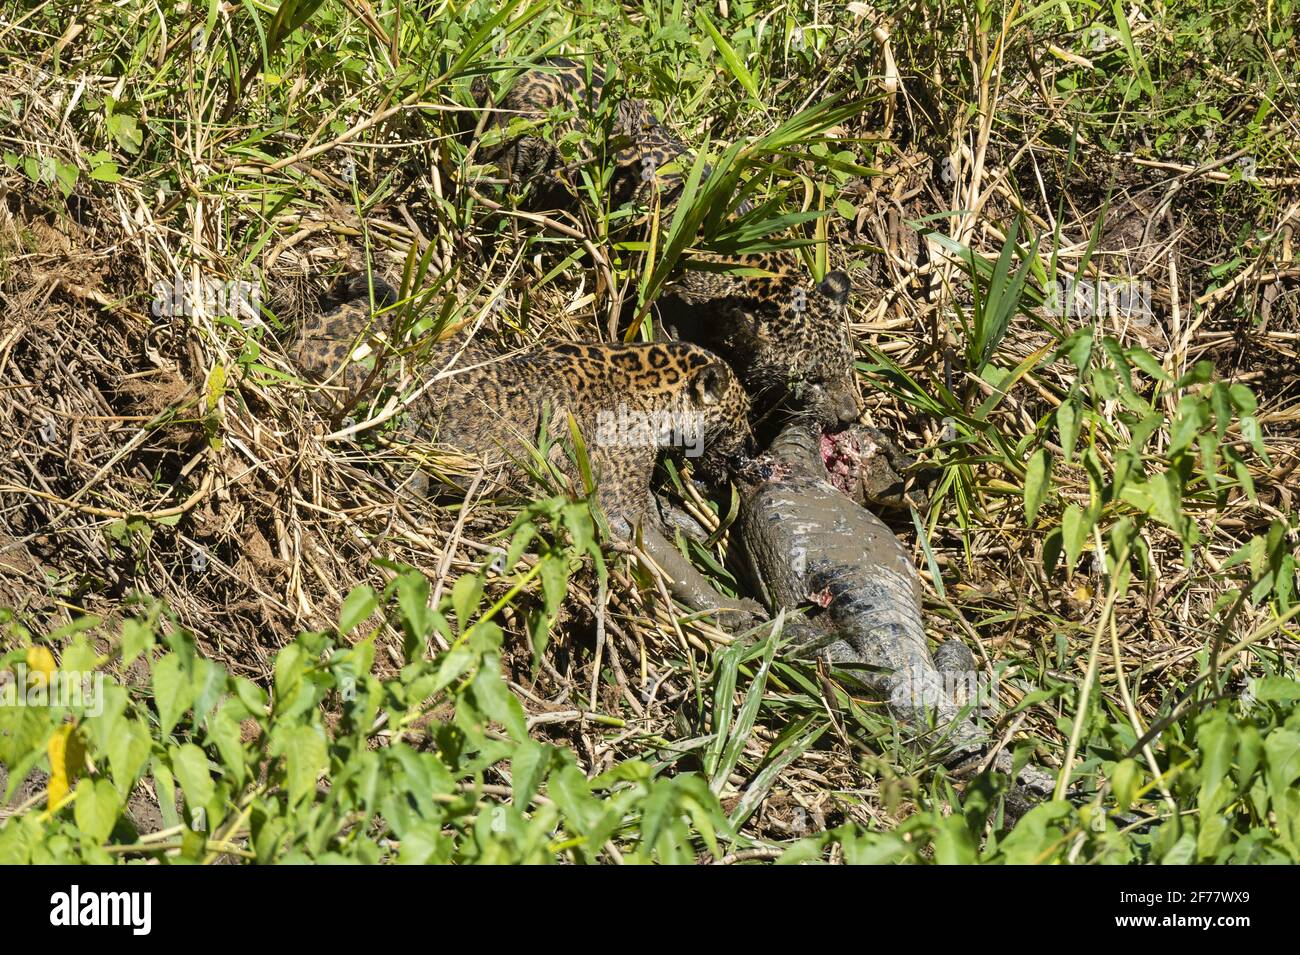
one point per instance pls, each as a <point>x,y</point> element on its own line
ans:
<point>805,544</point>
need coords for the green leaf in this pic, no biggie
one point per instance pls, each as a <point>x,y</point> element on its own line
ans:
<point>1221,404</point>
<point>1067,426</point>
<point>1182,852</point>
<point>97,808</point>
<point>1213,828</point>
<point>126,132</point>
<point>191,768</point>
<point>497,701</point>
<point>423,843</point>
<point>1200,374</point>
<point>1250,754</point>
<point>1250,431</point>
<point>1192,415</point>
<point>128,751</point>
<point>105,172</point>
<point>1275,689</point>
<point>1075,526</point>
<point>137,638</point>
<point>1243,398</point>
<point>1078,348</point>
<point>1282,758</point>
<point>66,177</point>
<point>1004,291</point>
<point>554,571</point>
<point>704,810</point>
<point>173,691</point>
<point>728,53</point>
<point>1216,741</point>
<point>466,594</point>
<point>1135,58</point>
<point>451,665</point>
<point>1123,783</point>
<point>1167,499</point>
<point>572,793</point>
<point>1143,359</point>
<point>744,724</point>
<point>1036,832</point>
<point>628,771</point>
<point>413,601</point>
<point>357,606</point>
<point>224,732</point>
<point>952,842</point>
<point>803,735</point>
<point>1242,471</point>
<point>251,695</point>
<point>305,756</point>
<point>164,786</point>
<point>1036,484</point>
<point>527,767</point>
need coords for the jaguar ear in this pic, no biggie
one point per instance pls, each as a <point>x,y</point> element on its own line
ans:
<point>709,384</point>
<point>836,287</point>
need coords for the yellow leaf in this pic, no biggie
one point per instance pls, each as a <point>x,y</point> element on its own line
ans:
<point>216,386</point>
<point>40,664</point>
<point>67,755</point>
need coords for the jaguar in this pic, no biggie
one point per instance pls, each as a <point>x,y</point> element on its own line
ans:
<point>786,335</point>
<point>629,403</point>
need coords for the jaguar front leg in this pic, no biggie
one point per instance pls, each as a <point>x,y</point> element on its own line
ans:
<point>687,584</point>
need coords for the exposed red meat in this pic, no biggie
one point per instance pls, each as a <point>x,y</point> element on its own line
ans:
<point>842,456</point>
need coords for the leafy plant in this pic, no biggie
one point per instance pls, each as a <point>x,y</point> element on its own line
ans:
<point>335,762</point>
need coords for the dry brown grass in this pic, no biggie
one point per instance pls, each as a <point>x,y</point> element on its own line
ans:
<point>155,455</point>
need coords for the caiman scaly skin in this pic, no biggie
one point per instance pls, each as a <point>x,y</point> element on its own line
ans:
<point>805,543</point>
